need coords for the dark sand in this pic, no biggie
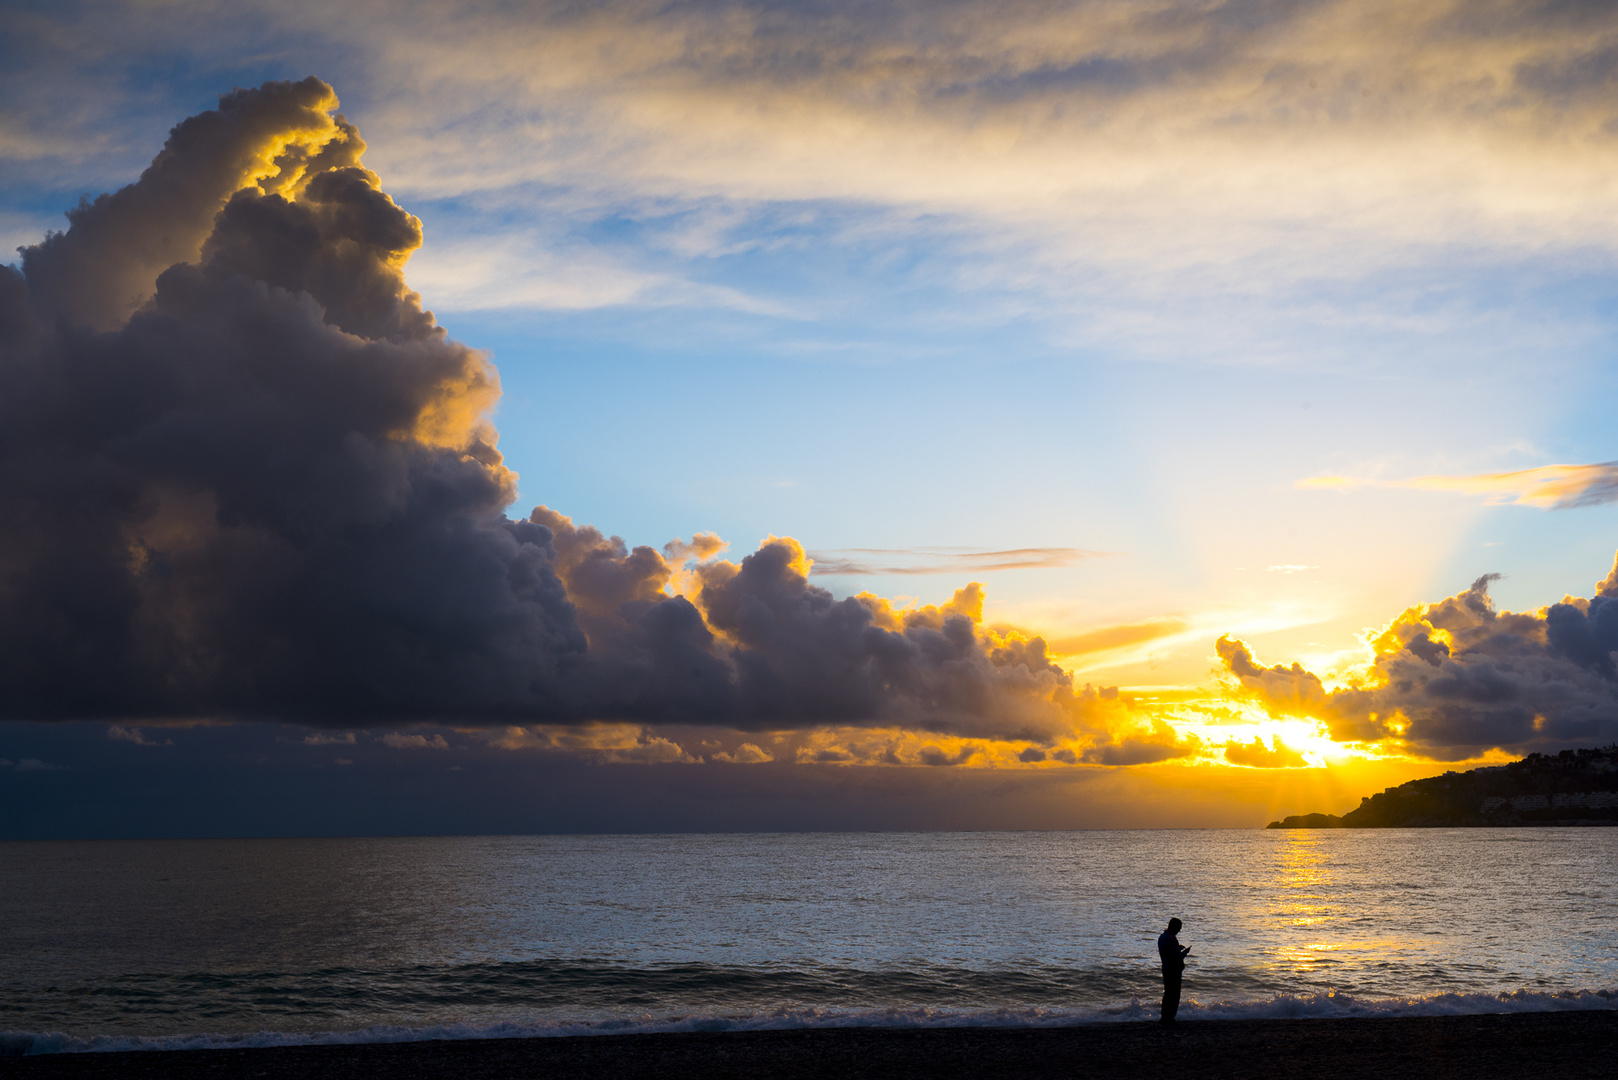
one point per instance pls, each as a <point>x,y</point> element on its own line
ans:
<point>1562,1046</point>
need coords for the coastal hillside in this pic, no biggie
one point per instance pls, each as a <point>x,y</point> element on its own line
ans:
<point>1575,787</point>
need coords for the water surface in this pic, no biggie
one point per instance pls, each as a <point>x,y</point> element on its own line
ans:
<point>126,942</point>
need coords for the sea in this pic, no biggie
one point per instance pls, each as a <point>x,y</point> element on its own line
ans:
<point>167,944</point>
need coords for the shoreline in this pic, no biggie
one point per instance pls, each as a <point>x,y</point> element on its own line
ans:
<point>1497,1045</point>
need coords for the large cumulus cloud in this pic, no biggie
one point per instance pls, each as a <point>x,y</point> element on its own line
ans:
<point>1456,678</point>
<point>244,473</point>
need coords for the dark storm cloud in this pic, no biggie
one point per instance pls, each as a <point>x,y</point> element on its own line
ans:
<point>800,651</point>
<point>102,268</point>
<point>244,473</point>
<point>1456,678</point>
<point>269,488</point>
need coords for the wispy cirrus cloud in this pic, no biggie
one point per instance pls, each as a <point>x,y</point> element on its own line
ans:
<point>1148,138</point>
<point>854,562</point>
<point>119,733</point>
<point>1550,487</point>
<point>1126,635</point>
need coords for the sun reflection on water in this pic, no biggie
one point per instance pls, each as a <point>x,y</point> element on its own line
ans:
<point>1305,898</point>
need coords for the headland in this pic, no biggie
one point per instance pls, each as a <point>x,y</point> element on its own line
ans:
<point>1573,788</point>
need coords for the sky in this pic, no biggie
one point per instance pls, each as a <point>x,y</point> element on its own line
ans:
<point>482,417</point>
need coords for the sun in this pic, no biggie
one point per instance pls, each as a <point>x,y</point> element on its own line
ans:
<point>1238,722</point>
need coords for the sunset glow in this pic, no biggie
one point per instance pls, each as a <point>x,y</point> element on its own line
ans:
<point>1120,398</point>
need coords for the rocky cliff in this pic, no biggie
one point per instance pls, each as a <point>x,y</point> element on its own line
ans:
<point>1575,787</point>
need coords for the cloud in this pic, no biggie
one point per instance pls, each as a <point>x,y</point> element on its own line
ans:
<point>1122,636</point>
<point>295,494</point>
<point>400,741</point>
<point>1065,150</point>
<point>1457,678</point>
<point>906,747</point>
<point>1550,487</point>
<point>935,757</point>
<point>700,548</point>
<point>259,481</point>
<point>1256,755</point>
<point>745,754</point>
<point>29,764</point>
<point>802,654</point>
<point>329,738</point>
<point>133,734</point>
<point>628,744</point>
<point>1157,742</point>
<point>247,475</point>
<point>1144,137</point>
<point>859,561</point>
<point>1167,122</point>
<point>505,271</point>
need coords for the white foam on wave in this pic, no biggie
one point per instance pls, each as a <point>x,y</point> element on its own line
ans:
<point>1282,1006</point>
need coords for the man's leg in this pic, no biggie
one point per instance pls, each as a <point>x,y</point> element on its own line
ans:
<point>1171,996</point>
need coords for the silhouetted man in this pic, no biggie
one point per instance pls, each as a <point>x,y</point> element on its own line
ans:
<point>1173,956</point>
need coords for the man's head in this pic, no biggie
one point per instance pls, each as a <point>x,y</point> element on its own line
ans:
<point>1174,926</point>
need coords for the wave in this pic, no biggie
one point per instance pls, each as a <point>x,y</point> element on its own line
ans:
<point>583,986</point>
<point>1324,1006</point>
